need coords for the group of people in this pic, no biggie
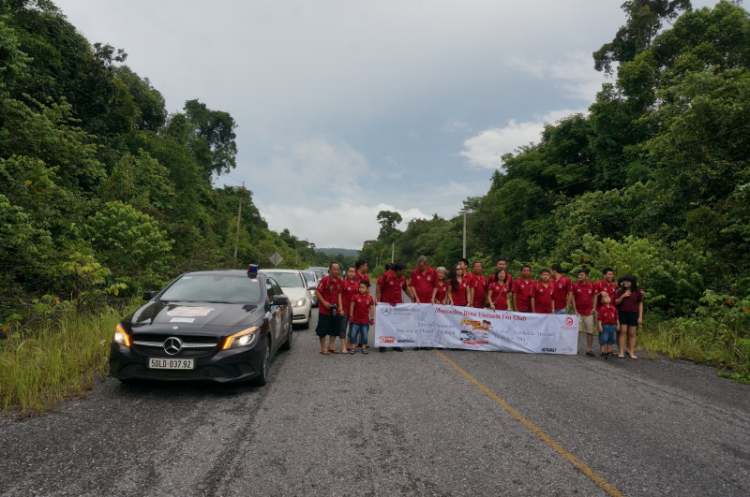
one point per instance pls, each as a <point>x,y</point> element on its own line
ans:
<point>615,309</point>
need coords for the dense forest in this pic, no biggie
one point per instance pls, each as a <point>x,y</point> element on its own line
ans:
<point>103,192</point>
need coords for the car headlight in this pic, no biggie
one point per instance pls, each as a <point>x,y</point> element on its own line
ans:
<point>244,338</point>
<point>121,336</point>
<point>299,303</point>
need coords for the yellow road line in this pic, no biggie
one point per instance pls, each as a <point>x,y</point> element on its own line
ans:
<point>593,475</point>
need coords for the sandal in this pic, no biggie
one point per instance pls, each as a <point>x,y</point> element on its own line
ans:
<point>333,351</point>
<point>325,352</point>
<point>590,354</point>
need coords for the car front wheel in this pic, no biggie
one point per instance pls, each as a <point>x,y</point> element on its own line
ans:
<point>265,364</point>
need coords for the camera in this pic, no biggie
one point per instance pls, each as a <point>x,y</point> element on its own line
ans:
<point>334,308</point>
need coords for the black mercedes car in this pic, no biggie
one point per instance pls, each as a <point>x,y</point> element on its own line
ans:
<point>219,326</point>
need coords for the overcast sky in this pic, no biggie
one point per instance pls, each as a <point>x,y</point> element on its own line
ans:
<point>345,108</point>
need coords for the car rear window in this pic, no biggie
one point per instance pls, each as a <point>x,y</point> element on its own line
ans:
<point>214,288</point>
<point>287,280</point>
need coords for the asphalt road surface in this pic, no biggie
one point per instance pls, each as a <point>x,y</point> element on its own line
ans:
<point>410,423</point>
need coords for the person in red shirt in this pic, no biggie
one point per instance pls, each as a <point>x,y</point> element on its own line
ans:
<point>629,302</point>
<point>349,288</point>
<point>606,284</point>
<point>563,290</point>
<point>497,292</point>
<point>361,315</point>
<point>583,303</point>
<point>458,289</point>
<point>389,290</point>
<point>422,281</point>
<point>329,312</point>
<point>609,321</point>
<point>544,294</point>
<point>361,266</point>
<point>523,290</point>
<point>440,288</point>
<point>478,286</point>
<point>501,265</point>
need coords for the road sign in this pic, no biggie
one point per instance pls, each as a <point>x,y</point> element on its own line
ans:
<point>276,259</point>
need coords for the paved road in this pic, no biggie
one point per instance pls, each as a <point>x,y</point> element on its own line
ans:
<point>398,424</point>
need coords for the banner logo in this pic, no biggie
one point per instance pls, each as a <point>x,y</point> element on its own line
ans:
<point>568,321</point>
<point>387,339</point>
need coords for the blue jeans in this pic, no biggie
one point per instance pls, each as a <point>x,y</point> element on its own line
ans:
<point>561,311</point>
<point>607,336</point>
<point>357,330</point>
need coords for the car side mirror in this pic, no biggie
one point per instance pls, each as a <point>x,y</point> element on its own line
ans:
<point>312,286</point>
<point>148,295</point>
<point>280,300</point>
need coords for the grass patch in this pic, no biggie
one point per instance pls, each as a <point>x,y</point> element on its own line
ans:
<point>700,341</point>
<point>56,359</point>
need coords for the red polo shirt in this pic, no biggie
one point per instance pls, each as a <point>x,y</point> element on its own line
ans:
<point>583,297</point>
<point>423,283</point>
<point>329,289</point>
<point>603,286</point>
<point>563,286</point>
<point>499,295</point>
<point>458,295</point>
<point>544,297</point>
<point>442,290</point>
<point>608,314</point>
<point>390,288</point>
<point>349,288</point>
<point>524,290</point>
<point>362,303</point>
<point>479,285</point>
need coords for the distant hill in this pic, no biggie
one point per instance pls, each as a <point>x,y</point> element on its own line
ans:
<point>336,251</point>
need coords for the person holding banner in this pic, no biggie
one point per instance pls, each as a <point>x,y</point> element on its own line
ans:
<point>440,289</point>
<point>583,303</point>
<point>389,290</point>
<point>544,294</point>
<point>458,290</point>
<point>563,290</point>
<point>497,292</point>
<point>422,281</point>
<point>523,290</point>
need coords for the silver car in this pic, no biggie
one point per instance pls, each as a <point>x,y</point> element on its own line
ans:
<point>312,283</point>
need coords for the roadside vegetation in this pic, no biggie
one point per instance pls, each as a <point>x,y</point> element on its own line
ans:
<point>654,180</point>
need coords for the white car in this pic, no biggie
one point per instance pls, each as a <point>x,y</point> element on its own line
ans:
<point>294,286</point>
<point>312,283</point>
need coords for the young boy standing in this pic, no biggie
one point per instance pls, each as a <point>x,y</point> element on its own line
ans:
<point>361,315</point>
<point>609,322</point>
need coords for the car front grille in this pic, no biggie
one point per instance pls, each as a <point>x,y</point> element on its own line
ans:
<point>192,345</point>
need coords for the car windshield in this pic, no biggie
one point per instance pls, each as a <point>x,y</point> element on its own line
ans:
<point>287,280</point>
<point>214,288</point>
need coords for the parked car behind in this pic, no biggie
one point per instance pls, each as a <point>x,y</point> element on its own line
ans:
<point>312,282</point>
<point>222,326</point>
<point>295,287</point>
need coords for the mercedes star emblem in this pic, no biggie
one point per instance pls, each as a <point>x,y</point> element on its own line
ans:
<point>172,345</point>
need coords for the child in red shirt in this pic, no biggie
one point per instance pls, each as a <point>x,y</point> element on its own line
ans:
<point>361,315</point>
<point>609,321</point>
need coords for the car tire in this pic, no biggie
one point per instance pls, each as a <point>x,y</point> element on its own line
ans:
<point>265,364</point>
<point>287,345</point>
<point>306,324</point>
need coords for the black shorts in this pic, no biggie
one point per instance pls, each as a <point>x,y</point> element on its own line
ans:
<point>629,318</point>
<point>328,325</point>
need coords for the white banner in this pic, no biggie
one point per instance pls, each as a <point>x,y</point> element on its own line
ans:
<point>445,326</point>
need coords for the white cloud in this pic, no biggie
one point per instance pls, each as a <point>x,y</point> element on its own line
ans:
<point>574,72</point>
<point>486,148</point>
<point>343,225</point>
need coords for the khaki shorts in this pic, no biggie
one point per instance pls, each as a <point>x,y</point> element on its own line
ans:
<point>586,324</point>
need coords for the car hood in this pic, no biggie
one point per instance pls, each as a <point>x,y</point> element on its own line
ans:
<point>193,317</point>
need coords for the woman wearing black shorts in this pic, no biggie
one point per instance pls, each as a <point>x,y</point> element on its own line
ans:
<point>629,302</point>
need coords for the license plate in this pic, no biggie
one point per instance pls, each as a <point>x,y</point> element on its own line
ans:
<point>159,363</point>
